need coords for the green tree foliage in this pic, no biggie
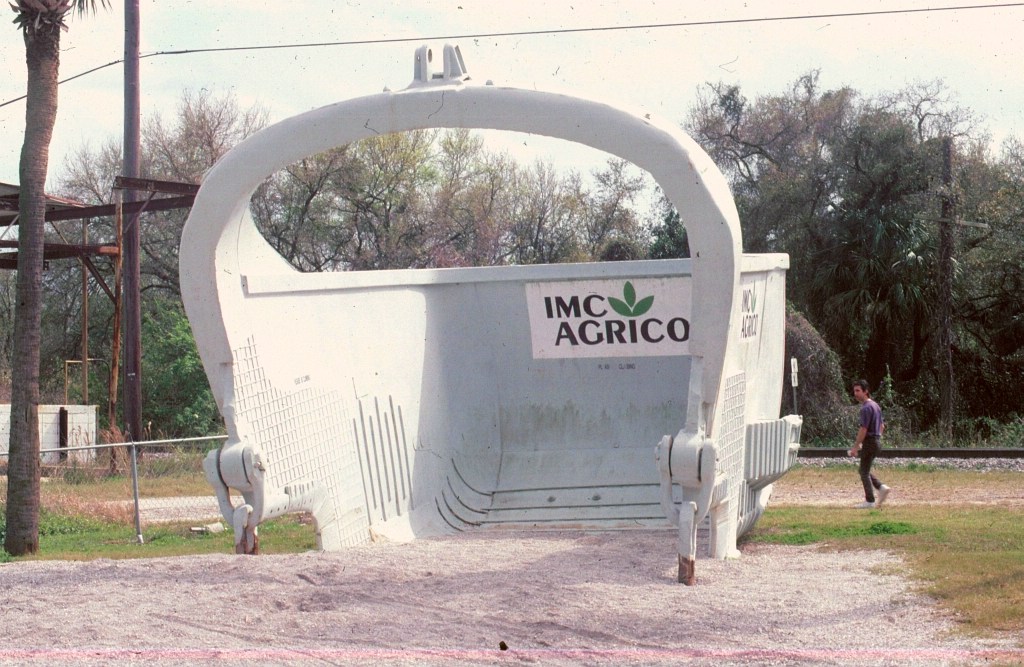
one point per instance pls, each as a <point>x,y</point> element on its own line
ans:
<point>990,288</point>
<point>176,393</point>
<point>386,211</point>
<point>873,266</point>
<point>669,238</point>
<point>851,189</point>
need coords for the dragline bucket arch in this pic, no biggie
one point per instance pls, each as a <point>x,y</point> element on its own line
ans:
<point>312,419</point>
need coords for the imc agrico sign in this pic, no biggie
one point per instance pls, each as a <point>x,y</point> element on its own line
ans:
<point>642,317</point>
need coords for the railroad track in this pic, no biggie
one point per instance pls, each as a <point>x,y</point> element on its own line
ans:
<point>918,453</point>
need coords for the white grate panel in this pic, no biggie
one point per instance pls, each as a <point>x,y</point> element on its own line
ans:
<point>302,437</point>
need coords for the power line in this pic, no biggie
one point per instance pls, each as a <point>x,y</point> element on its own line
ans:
<point>532,33</point>
<point>562,31</point>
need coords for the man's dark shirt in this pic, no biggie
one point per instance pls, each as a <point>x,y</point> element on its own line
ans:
<point>871,418</point>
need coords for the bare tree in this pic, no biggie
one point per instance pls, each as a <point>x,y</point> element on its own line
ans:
<point>544,217</point>
<point>611,216</point>
<point>180,148</point>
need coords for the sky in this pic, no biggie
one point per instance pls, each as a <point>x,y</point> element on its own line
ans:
<point>975,50</point>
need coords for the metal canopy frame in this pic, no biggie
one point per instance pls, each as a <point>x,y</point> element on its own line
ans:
<point>61,209</point>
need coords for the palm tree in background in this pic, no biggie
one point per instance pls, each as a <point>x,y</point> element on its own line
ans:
<point>41,23</point>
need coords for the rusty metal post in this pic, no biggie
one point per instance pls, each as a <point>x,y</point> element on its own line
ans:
<point>687,570</point>
<point>115,344</point>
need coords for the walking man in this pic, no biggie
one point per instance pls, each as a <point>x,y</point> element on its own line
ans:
<point>869,441</point>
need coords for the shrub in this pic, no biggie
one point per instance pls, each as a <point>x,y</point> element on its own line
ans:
<point>990,432</point>
<point>822,400</point>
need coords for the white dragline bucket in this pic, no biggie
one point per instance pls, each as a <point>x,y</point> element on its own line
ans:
<point>418,402</point>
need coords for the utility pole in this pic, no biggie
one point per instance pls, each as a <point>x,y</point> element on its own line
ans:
<point>946,243</point>
<point>85,319</point>
<point>130,248</point>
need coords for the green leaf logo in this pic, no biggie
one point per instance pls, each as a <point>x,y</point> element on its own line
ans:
<point>628,306</point>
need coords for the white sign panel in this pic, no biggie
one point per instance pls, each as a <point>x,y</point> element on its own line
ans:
<point>641,317</point>
<point>752,299</point>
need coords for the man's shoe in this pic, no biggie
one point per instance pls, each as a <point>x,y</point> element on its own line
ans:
<point>883,493</point>
<point>865,506</point>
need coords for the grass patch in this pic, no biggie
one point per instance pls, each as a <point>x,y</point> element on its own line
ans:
<point>76,537</point>
<point>799,532</point>
<point>119,487</point>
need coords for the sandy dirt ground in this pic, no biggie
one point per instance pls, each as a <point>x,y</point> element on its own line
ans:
<point>975,491</point>
<point>502,598</point>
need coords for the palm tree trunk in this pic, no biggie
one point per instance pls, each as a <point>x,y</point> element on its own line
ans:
<point>42,57</point>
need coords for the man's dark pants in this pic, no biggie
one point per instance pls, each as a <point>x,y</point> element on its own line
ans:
<point>869,449</point>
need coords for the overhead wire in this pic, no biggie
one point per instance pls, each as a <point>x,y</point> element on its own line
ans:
<point>551,31</point>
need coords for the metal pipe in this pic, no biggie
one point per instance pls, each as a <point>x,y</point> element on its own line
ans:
<point>123,444</point>
<point>135,495</point>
